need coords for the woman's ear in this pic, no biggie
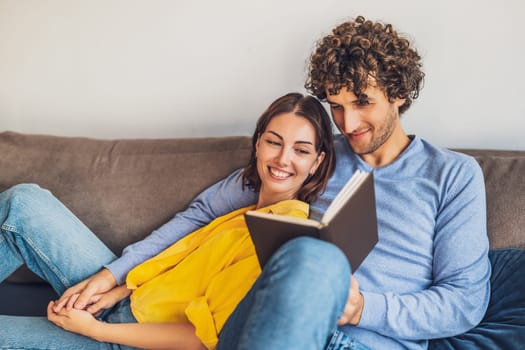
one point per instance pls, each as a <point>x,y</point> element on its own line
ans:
<point>257,145</point>
<point>317,162</point>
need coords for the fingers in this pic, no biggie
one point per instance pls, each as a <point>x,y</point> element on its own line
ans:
<point>71,301</point>
<point>64,298</point>
<point>83,299</point>
<point>50,311</point>
<point>52,316</point>
<point>345,317</point>
<point>101,282</point>
<point>97,305</point>
<point>343,320</point>
<point>354,285</point>
<point>354,305</point>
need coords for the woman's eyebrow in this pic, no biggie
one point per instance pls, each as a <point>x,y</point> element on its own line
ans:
<point>305,142</point>
<point>276,134</point>
<point>299,141</point>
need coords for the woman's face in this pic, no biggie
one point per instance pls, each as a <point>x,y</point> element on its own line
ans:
<point>286,156</point>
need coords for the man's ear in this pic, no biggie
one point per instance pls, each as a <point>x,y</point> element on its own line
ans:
<point>317,162</point>
<point>398,102</point>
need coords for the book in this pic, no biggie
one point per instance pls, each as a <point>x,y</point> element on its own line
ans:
<point>350,222</point>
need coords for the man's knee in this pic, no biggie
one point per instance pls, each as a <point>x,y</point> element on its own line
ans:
<point>316,258</point>
<point>25,201</point>
<point>26,193</point>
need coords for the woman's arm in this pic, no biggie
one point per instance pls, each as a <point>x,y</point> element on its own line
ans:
<point>141,335</point>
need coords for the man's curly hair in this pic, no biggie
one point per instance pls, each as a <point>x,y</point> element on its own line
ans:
<point>360,51</point>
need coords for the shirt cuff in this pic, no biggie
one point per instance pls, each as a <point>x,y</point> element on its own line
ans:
<point>119,268</point>
<point>374,310</point>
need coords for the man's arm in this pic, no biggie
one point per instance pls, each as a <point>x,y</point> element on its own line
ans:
<point>457,299</point>
<point>219,199</point>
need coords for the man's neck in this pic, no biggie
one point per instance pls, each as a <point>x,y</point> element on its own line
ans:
<point>389,151</point>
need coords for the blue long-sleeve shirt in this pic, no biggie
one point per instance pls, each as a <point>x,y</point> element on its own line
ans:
<point>428,275</point>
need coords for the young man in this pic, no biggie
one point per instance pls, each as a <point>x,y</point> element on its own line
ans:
<point>427,277</point>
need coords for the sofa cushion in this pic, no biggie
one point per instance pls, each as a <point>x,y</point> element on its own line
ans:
<point>121,189</point>
<point>503,326</point>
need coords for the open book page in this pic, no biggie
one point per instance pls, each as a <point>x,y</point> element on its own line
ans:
<point>342,197</point>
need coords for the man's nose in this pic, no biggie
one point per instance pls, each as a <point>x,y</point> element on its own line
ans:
<point>351,121</point>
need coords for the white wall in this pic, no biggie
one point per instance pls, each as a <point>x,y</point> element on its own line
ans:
<point>159,68</point>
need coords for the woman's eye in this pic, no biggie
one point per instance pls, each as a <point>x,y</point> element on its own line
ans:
<point>335,106</point>
<point>273,143</point>
<point>302,151</point>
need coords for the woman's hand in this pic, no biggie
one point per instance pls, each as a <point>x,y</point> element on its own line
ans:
<point>354,305</point>
<point>80,296</point>
<point>74,320</point>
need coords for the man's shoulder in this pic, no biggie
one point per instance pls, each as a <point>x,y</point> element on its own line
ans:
<point>445,155</point>
<point>449,161</point>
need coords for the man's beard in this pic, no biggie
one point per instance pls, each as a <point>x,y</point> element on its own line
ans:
<point>384,132</point>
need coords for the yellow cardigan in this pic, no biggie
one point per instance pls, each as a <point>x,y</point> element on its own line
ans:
<point>201,278</point>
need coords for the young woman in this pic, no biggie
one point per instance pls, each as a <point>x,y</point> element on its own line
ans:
<point>181,298</point>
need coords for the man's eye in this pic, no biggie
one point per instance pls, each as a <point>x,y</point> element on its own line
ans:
<point>335,106</point>
<point>363,103</point>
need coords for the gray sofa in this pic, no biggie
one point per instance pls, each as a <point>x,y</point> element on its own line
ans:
<point>123,189</point>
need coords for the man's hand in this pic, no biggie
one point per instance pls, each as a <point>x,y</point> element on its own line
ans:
<point>354,305</point>
<point>82,295</point>
<point>101,302</point>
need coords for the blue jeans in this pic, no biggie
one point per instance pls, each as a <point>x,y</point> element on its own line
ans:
<point>295,303</point>
<point>39,231</point>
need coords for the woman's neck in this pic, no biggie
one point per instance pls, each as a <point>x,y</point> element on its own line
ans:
<point>266,199</point>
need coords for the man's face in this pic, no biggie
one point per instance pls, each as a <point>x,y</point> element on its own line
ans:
<point>370,123</point>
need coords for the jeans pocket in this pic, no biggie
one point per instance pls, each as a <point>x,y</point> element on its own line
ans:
<point>340,341</point>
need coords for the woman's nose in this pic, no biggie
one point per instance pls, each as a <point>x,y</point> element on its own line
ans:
<point>283,158</point>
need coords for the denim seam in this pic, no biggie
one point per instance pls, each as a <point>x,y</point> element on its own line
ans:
<point>9,228</point>
<point>44,258</point>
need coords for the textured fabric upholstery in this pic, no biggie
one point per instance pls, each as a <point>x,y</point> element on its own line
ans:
<point>121,189</point>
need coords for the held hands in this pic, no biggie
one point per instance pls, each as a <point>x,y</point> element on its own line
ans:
<point>83,321</point>
<point>354,305</point>
<point>90,294</point>
<point>73,320</point>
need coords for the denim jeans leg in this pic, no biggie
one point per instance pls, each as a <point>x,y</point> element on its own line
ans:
<point>340,341</point>
<point>22,332</point>
<point>38,230</point>
<point>296,301</point>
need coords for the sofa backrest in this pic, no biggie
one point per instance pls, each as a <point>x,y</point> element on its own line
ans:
<point>121,189</point>
<point>124,189</point>
<point>504,173</point>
